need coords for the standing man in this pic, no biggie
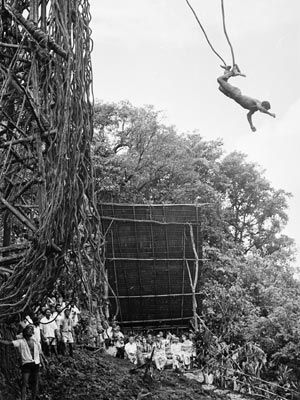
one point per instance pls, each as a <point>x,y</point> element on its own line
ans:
<point>66,329</point>
<point>31,354</point>
<point>49,332</point>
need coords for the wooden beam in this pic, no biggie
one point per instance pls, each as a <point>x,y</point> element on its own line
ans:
<point>43,39</point>
<point>145,221</point>
<point>152,296</point>
<point>26,139</point>
<point>14,259</point>
<point>152,259</point>
<point>20,216</point>
<point>4,270</point>
<point>162,320</point>
<point>156,205</point>
<point>14,247</point>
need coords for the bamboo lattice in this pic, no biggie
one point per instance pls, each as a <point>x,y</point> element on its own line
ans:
<point>48,220</point>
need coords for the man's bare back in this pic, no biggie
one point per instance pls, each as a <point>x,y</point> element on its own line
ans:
<point>235,94</point>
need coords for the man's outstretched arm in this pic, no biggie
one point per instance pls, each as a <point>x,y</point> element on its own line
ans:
<point>265,111</point>
<point>249,117</point>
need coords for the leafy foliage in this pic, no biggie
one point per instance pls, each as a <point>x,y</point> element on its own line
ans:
<point>250,295</point>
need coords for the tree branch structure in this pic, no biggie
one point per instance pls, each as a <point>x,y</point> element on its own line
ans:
<point>49,224</point>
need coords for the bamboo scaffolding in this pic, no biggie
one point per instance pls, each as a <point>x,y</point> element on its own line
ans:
<point>152,296</point>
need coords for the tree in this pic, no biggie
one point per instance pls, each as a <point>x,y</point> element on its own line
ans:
<point>255,212</point>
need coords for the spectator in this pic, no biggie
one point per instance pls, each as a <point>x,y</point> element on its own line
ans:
<point>143,351</point>
<point>119,342</point>
<point>49,333</point>
<point>187,351</point>
<point>110,348</point>
<point>75,312</point>
<point>66,329</point>
<point>61,302</point>
<point>31,354</point>
<point>159,356</point>
<point>51,301</point>
<point>176,353</point>
<point>100,338</point>
<point>150,339</point>
<point>107,333</point>
<point>57,316</point>
<point>131,350</point>
<point>37,330</point>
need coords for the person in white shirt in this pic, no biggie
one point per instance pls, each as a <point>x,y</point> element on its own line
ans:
<point>75,312</point>
<point>176,353</point>
<point>31,354</point>
<point>49,332</point>
<point>67,333</point>
<point>58,315</point>
<point>37,330</point>
<point>131,350</point>
<point>118,338</point>
<point>187,348</point>
<point>159,356</point>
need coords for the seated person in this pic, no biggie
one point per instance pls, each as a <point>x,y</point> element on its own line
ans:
<point>159,356</point>
<point>187,348</point>
<point>235,94</point>
<point>176,353</point>
<point>131,350</point>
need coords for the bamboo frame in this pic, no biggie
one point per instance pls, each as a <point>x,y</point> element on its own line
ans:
<point>152,296</point>
<point>162,320</point>
<point>137,228</point>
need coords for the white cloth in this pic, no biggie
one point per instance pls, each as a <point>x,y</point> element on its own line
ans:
<point>108,333</point>
<point>176,355</point>
<point>187,348</point>
<point>48,328</point>
<point>75,314</point>
<point>66,324</point>
<point>37,333</point>
<point>26,356</point>
<point>26,321</point>
<point>119,339</point>
<point>67,337</point>
<point>131,352</point>
<point>159,357</point>
<point>58,318</point>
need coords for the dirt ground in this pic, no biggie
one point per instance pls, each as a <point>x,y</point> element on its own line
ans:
<point>95,376</point>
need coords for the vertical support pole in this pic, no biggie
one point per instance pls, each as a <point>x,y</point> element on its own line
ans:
<point>115,271</point>
<point>168,268</point>
<point>183,269</point>
<point>153,256</point>
<point>44,15</point>
<point>194,281</point>
<point>137,252</point>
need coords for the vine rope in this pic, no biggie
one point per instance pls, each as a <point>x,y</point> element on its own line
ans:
<point>47,176</point>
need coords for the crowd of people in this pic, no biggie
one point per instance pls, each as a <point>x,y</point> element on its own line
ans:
<point>51,330</point>
<point>162,350</point>
<point>54,329</point>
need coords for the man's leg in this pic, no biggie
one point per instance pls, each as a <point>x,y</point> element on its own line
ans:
<point>53,346</point>
<point>227,88</point>
<point>25,380</point>
<point>46,347</point>
<point>35,381</point>
<point>71,349</point>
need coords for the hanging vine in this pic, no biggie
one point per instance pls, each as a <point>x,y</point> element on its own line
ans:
<point>49,221</point>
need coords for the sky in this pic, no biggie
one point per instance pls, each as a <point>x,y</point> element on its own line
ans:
<point>153,52</point>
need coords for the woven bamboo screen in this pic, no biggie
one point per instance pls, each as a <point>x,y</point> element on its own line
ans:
<point>148,248</point>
